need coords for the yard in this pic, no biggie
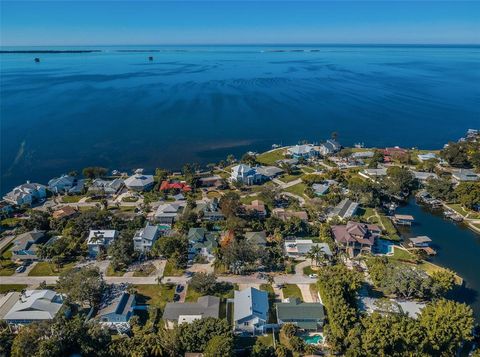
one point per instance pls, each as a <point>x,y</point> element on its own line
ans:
<point>401,254</point>
<point>111,272</point>
<point>289,178</point>
<point>297,189</point>
<point>49,269</point>
<point>171,270</point>
<point>72,199</point>
<point>145,270</point>
<point>155,295</point>
<point>390,229</point>
<point>292,291</point>
<point>269,158</point>
<point>7,267</point>
<point>464,212</point>
<point>272,315</point>
<point>6,288</point>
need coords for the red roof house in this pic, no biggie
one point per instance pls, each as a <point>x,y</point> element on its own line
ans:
<point>181,186</point>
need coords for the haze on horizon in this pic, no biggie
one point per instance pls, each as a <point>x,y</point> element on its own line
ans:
<point>94,23</point>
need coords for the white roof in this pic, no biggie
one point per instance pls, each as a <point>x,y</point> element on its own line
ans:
<point>376,172</point>
<point>169,208</point>
<point>300,149</point>
<point>98,236</point>
<point>250,302</point>
<point>35,305</point>
<point>242,168</point>
<point>139,180</point>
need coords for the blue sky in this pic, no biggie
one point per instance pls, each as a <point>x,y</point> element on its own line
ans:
<point>46,23</point>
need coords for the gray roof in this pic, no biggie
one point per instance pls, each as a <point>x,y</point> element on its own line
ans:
<point>120,305</point>
<point>301,149</point>
<point>256,237</point>
<point>139,181</point>
<point>250,302</point>
<point>269,171</point>
<point>320,188</point>
<point>345,209</point>
<point>303,246</point>
<point>25,240</point>
<point>300,311</point>
<point>149,232</point>
<point>32,305</point>
<point>420,239</point>
<point>206,306</point>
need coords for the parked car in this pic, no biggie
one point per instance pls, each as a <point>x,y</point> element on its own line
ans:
<point>179,289</point>
<point>176,297</point>
<point>313,276</point>
<point>20,269</point>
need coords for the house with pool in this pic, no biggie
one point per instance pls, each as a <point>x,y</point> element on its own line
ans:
<point>307,316</point>
<point>356,238</point>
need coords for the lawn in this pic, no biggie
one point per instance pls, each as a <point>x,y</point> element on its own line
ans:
<point>392,232</point>
<point>272,315</point>
<point>192,295</point>
<point>297,189</point>
<point>430,268</point>
<point>292,290</point>
<point>463,211</point>
<point>308,169</point>
<point>49,269</point>
<point>6,288</point>
<point>308,270</point>
<point>130,199</point>
<point>213,194</point>
<point>145,270</point>
<point>289,178</point>
<point>155,295</point>
<point>401,254</point>
<point>367,214</point>
<point>111,272</point>
<point>171,270</point>
<point>72,199</point>
<point>10,222</point>
<point>269,158</point>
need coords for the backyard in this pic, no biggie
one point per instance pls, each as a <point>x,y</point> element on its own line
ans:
<point>49,269</point>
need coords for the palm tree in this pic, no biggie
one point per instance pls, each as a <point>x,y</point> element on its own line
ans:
<point>316,254</point>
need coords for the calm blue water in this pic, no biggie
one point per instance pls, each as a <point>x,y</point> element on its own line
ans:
<point>118,110</point>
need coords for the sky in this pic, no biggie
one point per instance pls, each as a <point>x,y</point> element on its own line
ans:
<point>66,22</point>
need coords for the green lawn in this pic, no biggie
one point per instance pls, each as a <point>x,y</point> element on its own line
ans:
<point>292,290</point>
<point>111,272</point>
<point>269,158</point>
<point>308,169</point>
<point>213,194</point>
<point>192,295</point>
<point>10,222</point>
<point>272,314</point>
<point>72,199</point>
<point>289,178</point>
<point>367,214</point>
<point>401,254</point>
<point>6,288</point>
<point>308,270</point>
<point>171,270</point>
<point>156,295</point>
<point>392,232</point>
<point>463,211</point>
<point>145,270</point>
<point>297,189</point>
<point>49,269</point>
<point>130,199</point>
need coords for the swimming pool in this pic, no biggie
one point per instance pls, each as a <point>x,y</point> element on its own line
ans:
<point>383,246</point>
<point>313,340</point>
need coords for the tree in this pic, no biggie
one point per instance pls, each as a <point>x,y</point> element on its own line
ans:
<point>230,204</point>
<point>6,338</point>
<point>399,180</point>
<point>261,350</point>
<point>82,285</point>
<point>249,159</point>
<point>219,346</point>
<point>442,282</point>
<point>27,341</point>
<point>94,172</point>
<point>297,344</point>
<point>316,254</point>
<point>237,255</point>
<point>282,351</point>
<point>375,159</point>
<point>121,251</point>
<point>38,220</point>
<point>204,283</point>
<point>169,245</point>
<point>447,324</point>
<point>468,194</point>
<point>455,154</point>
<point>195,337</point>
<point>289,330</point>
<point>441,188</point>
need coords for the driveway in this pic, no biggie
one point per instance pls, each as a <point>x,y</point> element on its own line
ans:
<point>306,293</point>
<point>201,268</point>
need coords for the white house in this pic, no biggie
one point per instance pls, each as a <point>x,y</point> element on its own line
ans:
<point>250,310</point>
<point>139,181</point>
<point>30,306</point>
<point>299,248</point>
<point>424,176</point>
<point>245,174</point>
<point>465,175</point>
<point>144,238</point>
<point>168,212</point>
<point>66,184</point>
<point>344,210</point>
<point>100,240</point>
<point>26,194</point>
<point>329,147</point>
<point>302,151</point>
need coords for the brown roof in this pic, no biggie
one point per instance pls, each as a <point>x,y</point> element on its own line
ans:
<point>284,215</point>
<point>354,232</point>
<point>257,206</point>
<point>65,211</point>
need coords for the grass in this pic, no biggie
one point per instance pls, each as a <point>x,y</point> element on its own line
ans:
<point>297,189</point>
<point>272,316</point>
<point>269,158</point>
<point>111,272</point>
<point>155,295</point>
<point>292,290</point>
<point>130,199</point>
<point>401,254</point>
<point>463,211</point>
<point>145,270</point>
<point>10,222</point>
<point>192,295</point>
<point>6,288</point>
<point>171,270</point>
<point>430,268</point>
<point>289,178</point>
<point>392,232</point>
<point>49,269</point>
<point>308,169</point>
<point>72,199</point>
<point>308,270</point>
<point>367,214</point>
<point>213,194</point>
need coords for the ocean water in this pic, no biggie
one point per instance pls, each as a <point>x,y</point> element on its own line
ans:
<point>119,110</point>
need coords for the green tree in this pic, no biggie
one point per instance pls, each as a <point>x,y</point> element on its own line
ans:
<point>442,282</point>
<point>441,188</point>
<point>121,251</point>
<point>204,283</point>
<point>317,255</point>
<point>27,340</point>
<point>399,180</point>
<point>261,350</point>
<point>6,338</point>
<point>468,194</point>
<point>94,172</point>
<point>289,330</point>
<point>194,337</point>
<point>455,154</point>
<point>82,285</point>
<point>219,346</point>
<point>230,204</point>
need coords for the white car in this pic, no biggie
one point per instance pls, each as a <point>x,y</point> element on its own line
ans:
<point>20,269</point>
<point>313,276</point>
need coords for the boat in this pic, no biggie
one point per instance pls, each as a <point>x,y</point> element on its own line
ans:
<point>359,145</point>
<point>150,58</point>
<point>276,146</point>
<point>37,60</point>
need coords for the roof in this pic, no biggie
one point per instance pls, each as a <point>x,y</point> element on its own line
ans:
<point>427,156</point>
<point>355,232</point>
<point>363,154</point>
<point>139,180</point>
<point>300,149</point>
<point>256,205</point>
<point>298,310</point>
<point>405,217</point>
<point>65,211</point>
<point>250,302</point>
<point>269,171</point>
<point>424,175</point>
<point>320,188</point>
<point>206,306</point>
<point>375,172</point>
<point>165,186</point>
<point>284,214</point>
<point>241,169</point>
<point>25,240</point>
<point>100,236</point>
<point>303,246</point>
<point>24,190</point>
<point>345,209</point>
<point>420,239</point>
<point>201,238</point>
<point>256,237</point>
<point>120,305</point>
<point>34,305</point>
<point>331,145</point>
<point>62,180</point>
<point>149,232</point>
<point>465,175</point>
<point>169,209</point>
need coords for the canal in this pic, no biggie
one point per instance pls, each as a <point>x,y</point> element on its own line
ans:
<point>458,248</point>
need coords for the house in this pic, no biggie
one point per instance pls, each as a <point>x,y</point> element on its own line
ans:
<point>322,188</point>
<point>139,182</point>
<point>285,215</point>
<point>329,147</point>
<point>210,181</point>
<point>177,186</point>
<point>98,241</point>
<point>176,313</point>
<point>269,172</point>
<point>209,211</point>
<point>308,316</point>
<point>299,248</point>
<point>363,155</point>
<point>465,175</point>
<point>245,174</point>
<point>403,219</point>
<point>20,308</point>
<point>117,310</point>
<point>419,242</point>
<point>426,157</point>
<point>66,184</point>
<point>395,153</point>
<point>424,176</point>
<point>291,162</point>
<point>25,246</point>
<point>201,242</point>
<point>302,151</point>
<point>355,236</point>
<point>109,187</point>
<point>167,213</point>
<point>257,208</point>
<point>6,208</point>
<point>257,238</point>
<point>374,173</point>
<point>144,238</point>
<point>344,210</point>
<point>26,194</point>
<point>250,310</point>
<point>64,212</point>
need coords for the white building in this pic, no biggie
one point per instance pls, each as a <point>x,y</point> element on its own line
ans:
<point>98,241</point>
<point>26,194</point>
<point>245,174</point>
<point>139,181</point>
<point>302,151</point>
<point>144,238</point>
<point>329,147</point>
<point>250,310</point>
<point>167,213</point>
<point>299,248</point>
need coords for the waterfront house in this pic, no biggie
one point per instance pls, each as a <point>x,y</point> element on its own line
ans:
<point>465,175</point>
<point>307,316</point>
<point>25,246</point>
<point>6,208</point>
<point>419,242</point>
<point>302,151</point>
<point>394,153</point>
<point>329,147</point>
<point>322,188</point>
<point>20,308</point>
<point>355,237</point>
<point>285,215</point>
<point>250,310</point>
<point>115,311</point>
<point>299,248</point>
<point>373,174</point>
<point>209,211</point>
<point>26,194</point>
<point>144,238</point>
<point>268,172</point>
<point>98,241</point>
<point>362,155</point>
<point>210,181</point>
<point>424,176</point>
<point>167,213</point>
<point>344,210</point>
<point>139,182</point>
<point>177,313</point>
<point>175,186</point>
<point>64,212</point>
<point>201,243</point>
<point>256,238</point>
<point>256,208</point>
<point>66,184</point>
<point>427,156</point>
<point>108,187</point>
<point>245,174</point>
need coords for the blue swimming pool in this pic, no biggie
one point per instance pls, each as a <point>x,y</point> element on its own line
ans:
<point>313,340</point>
<point>383,246</point>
